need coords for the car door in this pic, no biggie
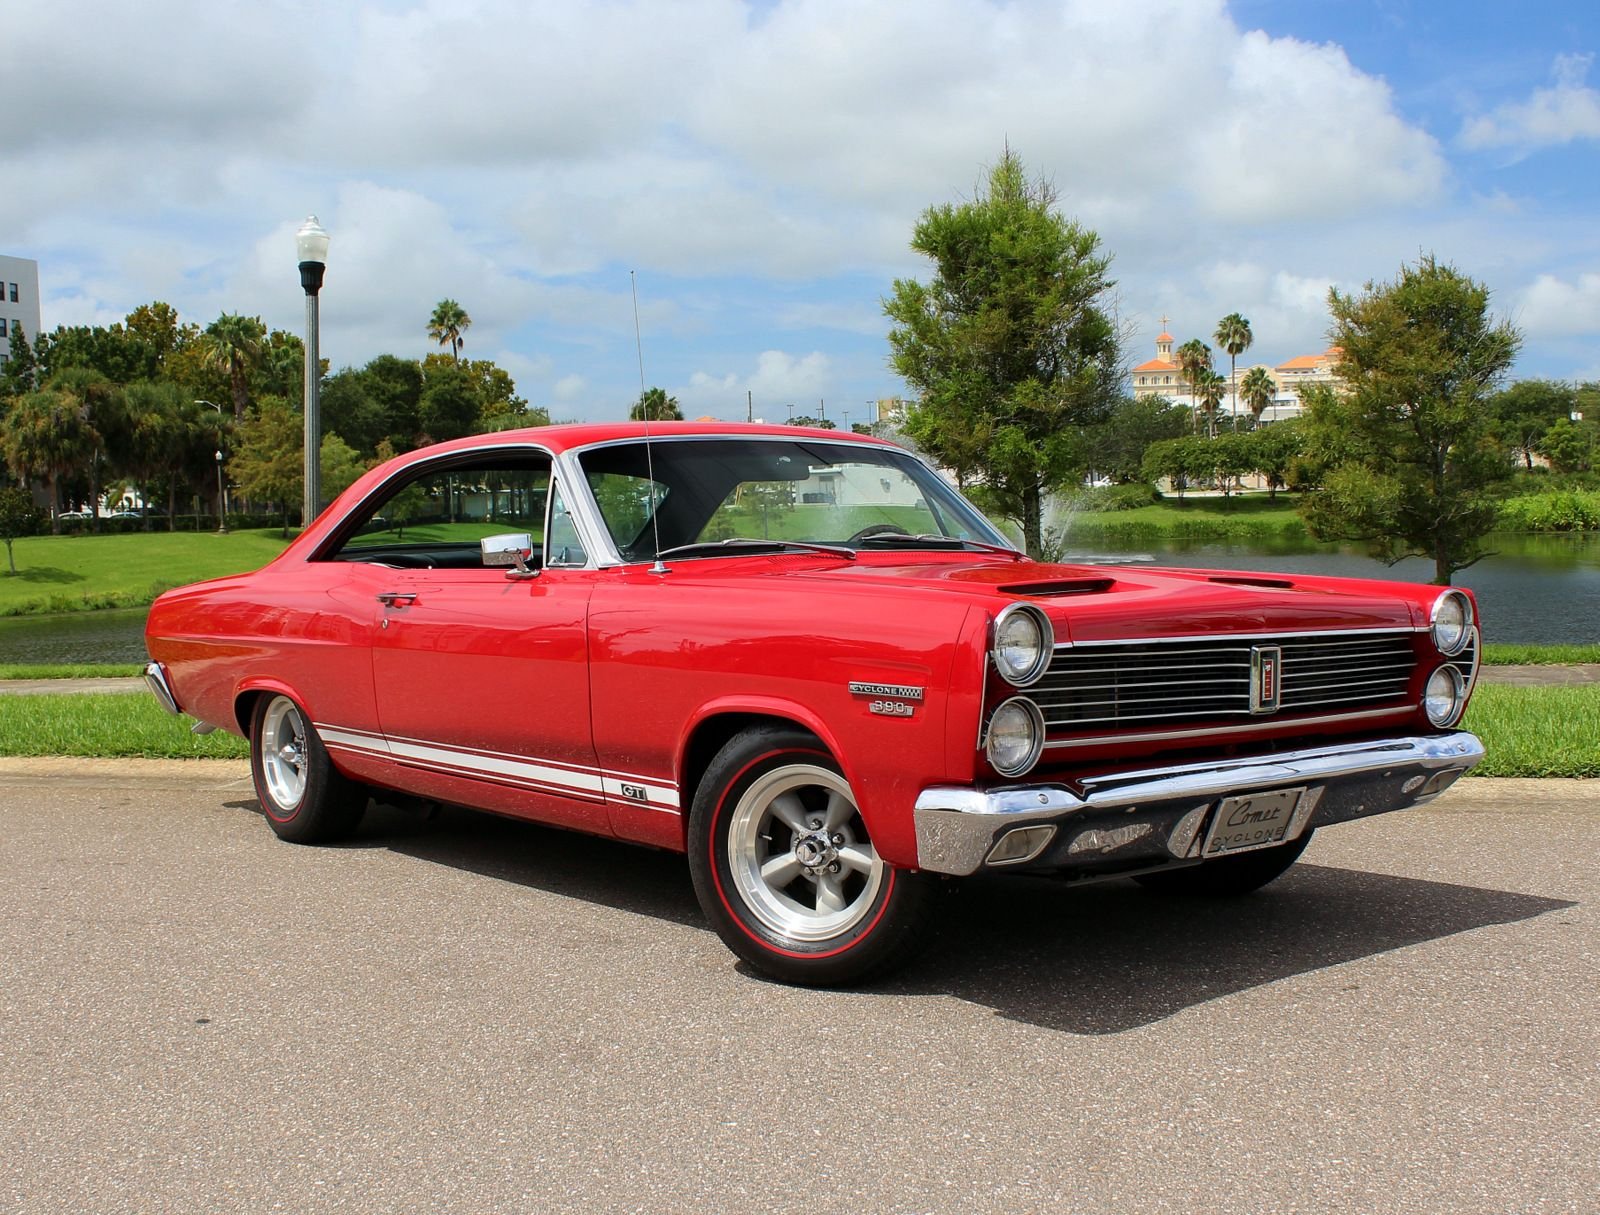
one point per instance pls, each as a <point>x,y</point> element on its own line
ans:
<point>481,673</point>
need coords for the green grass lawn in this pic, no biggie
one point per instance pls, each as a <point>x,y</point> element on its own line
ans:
<point>1251,517</point>
<point>78,573</point>
<point>1552,731</point>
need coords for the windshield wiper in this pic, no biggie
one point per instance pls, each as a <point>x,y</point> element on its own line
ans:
<point>714,548</point>
<point>899,540</point>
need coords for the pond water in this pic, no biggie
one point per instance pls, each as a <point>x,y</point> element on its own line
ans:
<point>1535,590</point>
<point>111,636</point>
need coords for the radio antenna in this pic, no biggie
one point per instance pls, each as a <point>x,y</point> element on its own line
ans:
<point>644,409</point>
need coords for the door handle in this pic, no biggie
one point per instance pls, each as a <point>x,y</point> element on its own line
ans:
<point>397,598</point>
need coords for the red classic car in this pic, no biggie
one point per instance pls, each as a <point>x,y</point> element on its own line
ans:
<point>802,658</point>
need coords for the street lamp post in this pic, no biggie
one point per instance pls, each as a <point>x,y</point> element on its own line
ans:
<point>222,486</point>
<point>311,242</point>
<point>222,499</point>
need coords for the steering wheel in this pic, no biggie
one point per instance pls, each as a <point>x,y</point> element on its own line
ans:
<point>877,529</point>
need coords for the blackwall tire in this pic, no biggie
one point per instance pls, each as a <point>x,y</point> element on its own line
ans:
<point>305,798</point>
<point>1228,876</point>
<point>785,870</point>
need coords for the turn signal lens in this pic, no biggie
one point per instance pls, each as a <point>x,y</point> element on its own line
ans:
<point>1442,698</point>
<point>1015,737</point>
<point>1451,622</point>
<point>1023,640</point>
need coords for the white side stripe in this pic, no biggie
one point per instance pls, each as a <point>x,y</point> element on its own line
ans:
<point>545,775</point>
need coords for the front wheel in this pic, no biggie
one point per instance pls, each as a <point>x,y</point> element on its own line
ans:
<point>306,799</point>
<point>1228,876</point>
<point>786,871</point>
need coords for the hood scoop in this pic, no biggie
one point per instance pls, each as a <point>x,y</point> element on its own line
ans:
<point>1274,584</point>
<point>1059,586</point>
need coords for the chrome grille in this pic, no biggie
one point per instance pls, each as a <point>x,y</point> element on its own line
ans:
<point>1158,682</point>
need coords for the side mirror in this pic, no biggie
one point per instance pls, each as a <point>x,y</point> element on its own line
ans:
<point>509,548</point>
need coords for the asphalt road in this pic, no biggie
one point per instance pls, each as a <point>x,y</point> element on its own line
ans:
<point>477,1015</point>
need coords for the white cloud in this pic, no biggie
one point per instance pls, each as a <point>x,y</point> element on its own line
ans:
<point>570,388</point>
<point>1566,111</point>
<point>1556,307</point>
<point>779,380</point>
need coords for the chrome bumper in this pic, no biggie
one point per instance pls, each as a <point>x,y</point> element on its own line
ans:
<point>1147,819</point>
<point>155,678</point>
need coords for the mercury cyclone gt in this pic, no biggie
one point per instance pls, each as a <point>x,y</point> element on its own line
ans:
<point>803,659</point>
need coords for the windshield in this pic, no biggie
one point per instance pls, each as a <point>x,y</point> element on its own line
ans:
<point>708,490</point>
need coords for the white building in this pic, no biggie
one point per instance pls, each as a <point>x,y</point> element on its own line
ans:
<point>19,301</point>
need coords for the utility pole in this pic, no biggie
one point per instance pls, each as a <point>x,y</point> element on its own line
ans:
<point>749,406</point>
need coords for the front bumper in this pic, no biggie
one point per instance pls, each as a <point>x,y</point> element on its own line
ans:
<point>1128,822</point>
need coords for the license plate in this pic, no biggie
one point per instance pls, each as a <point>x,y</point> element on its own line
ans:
<point>1255,820</point>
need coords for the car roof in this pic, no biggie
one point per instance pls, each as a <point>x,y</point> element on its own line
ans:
<point>567,436</point>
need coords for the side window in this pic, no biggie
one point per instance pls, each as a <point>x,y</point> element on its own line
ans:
<point>435,518</point>
<point>563,546</point>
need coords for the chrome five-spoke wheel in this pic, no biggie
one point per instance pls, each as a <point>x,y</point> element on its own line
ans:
<point>283,754</point>
<point>305,797</point>
<point>785,867</point>
<point>799,854</point>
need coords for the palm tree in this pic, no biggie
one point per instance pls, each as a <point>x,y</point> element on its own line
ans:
<point>1209,398</point>
<point>1258,390</point>
<point>448,322</point>
<point>654,405</point>
<point>232,343</point>
<point>1233,335</point>
<point>1194,357</point>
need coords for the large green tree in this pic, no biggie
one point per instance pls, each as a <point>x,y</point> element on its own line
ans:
<point>1524,412</point>
<point>1117,445</point>
<point>1009,344</point>
<point>1408,442</point>
<point>45,438</point>
<point>1233,335</point>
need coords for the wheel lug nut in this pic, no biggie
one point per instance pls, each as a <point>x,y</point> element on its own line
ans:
<point>816,823</point>
<point>834,868</point>
<point>838,840</point>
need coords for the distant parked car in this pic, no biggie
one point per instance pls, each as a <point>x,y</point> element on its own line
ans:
<point>806,661</point>
<point>74,516</point>
<point>125,514</point>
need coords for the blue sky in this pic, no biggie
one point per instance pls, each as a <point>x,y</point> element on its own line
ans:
<point>761,167</point>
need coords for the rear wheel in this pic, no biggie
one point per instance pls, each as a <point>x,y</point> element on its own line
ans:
<point>1228,876</point>
<point>306,799</point>
<point>786,870</point>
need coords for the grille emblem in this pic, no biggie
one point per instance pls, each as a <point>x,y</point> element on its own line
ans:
<point>1265,661</point>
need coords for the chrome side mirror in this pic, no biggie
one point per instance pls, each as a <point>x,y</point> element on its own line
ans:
<point>509,548</point>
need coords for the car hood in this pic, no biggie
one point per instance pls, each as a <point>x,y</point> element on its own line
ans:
<point>1113,602</point>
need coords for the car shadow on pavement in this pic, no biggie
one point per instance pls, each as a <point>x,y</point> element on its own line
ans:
<point>641,880</point>
<point>1104,959</point>
<point>1096,959</point>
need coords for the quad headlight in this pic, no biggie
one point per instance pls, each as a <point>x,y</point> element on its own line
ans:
<point>1015,736</point>
<point>1451,622</point>
<point>1023,642</point>
<point>1441,699</point>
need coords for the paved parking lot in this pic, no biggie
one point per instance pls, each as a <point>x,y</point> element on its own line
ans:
<point>471,1014</point>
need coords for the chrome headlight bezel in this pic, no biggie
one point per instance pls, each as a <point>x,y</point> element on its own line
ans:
<point>1035,721</point>
<point>1011,616</point>
<point>1457,696</point>
<point>1436,623</point>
